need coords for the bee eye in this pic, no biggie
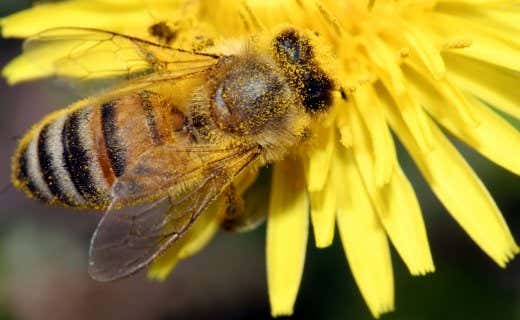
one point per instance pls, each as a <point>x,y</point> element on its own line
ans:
<point>317,89</point>
<point>292,47</point>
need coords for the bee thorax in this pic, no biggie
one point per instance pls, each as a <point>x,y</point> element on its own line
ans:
<point>248,97</point>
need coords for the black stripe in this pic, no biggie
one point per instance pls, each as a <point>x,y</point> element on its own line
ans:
<point>116,152</point>
<point>150,117</point>
<point>24,177</point>
<point>50,177</point>
<point>76,157</point>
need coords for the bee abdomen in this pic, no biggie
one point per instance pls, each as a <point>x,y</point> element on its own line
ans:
<point>50,158</point>
<point>58,165</point>
<point>115,150</point>
<point>27,173</point>
<point>74,156</point>
<point>80,158</point>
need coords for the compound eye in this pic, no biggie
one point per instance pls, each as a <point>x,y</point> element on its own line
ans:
<point>317,91</point>
<point>292,47</point>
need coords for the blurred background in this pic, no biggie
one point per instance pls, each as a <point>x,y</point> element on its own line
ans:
<point>43,252</point>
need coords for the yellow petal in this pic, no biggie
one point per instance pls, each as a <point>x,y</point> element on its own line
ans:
<point>404,224</point>
<point>47,60</point>
<point>81,58</point>
<point>495,85</point>
<point>390,73</point>
<point>317,168</point>
<point>483,46</point>
<point>508,18</point>
<point>369,108</point>
<point>395,202</point>
<point>24,67</point>
<point>363,237</point>
<point>458,188</point>
<point>287,231</point>
<point>318,164</point>
<point>473,2</point>
<point>425,50</point>
<point>196,238</point>
<point>343,123</point>
<point>385,61</point>
<point>496,22</point>
<point>487,133</point>
<point>126,16</point>
<point>323,209</point>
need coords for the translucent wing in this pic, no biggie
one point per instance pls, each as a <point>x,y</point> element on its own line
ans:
<point>127,240</point>
<point>87,54</point>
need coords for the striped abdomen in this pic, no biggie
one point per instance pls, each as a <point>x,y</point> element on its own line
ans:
<point>73,156</point>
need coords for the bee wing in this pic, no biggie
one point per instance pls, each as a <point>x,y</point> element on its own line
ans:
<point>87,54</point>
<point>127,240</point>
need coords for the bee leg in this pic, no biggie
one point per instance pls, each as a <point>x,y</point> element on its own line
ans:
<point>236,217</point>
<point>234,210</point>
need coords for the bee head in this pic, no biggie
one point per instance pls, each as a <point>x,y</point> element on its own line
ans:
<point>295,54</point>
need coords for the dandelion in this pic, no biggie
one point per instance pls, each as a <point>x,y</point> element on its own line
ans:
<point>412,68</point>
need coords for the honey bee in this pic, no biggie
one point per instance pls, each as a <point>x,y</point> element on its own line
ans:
<point>157,149</point>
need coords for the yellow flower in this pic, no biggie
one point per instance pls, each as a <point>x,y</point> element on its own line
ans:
<point>410,67</point>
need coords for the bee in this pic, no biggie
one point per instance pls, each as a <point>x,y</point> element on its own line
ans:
<point>156,150</point>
